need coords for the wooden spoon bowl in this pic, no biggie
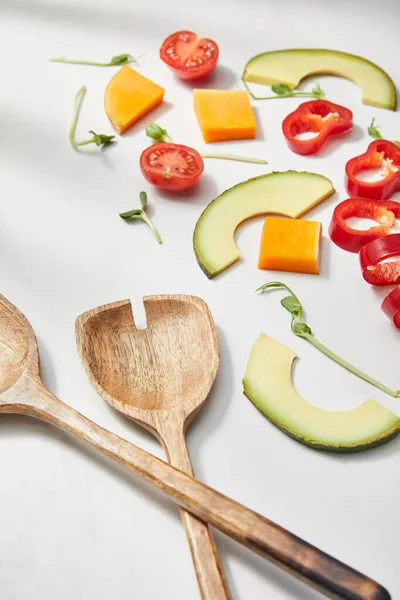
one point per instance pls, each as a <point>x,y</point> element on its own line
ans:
<point>169,365</point>
<point>14,345</point>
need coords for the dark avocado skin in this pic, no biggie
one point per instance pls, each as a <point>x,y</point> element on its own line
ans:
<point>340,449</point>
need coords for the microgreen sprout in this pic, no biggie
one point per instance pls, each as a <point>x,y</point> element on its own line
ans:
<point>120,59</point>
<point>293,305</point>
<point>142,214</point>
<point>99,139</point>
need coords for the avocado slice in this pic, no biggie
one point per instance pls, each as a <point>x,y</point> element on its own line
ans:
<point>268,384</point>
<point>291,66</point>
<point>290,193</point>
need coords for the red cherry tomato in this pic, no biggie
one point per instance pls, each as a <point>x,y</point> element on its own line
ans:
<point>171,166</point>
<point>188,55</point>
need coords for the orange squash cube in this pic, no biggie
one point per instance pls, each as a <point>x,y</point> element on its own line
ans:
<point>129,96</point>
<point>290,245</point>
<point>224,115</point>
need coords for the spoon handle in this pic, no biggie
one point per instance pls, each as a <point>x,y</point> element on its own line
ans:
<point>206,560</point>
<point>309,564</point>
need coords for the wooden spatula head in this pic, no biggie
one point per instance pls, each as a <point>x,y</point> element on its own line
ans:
<point>173,362</point>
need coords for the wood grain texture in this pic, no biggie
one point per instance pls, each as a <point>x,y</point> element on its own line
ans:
<point>22,391</point>
<point>159,377</point>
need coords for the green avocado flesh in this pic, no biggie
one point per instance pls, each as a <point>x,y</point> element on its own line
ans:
<point>268,384</point>
<point>291,66</point>
<point>290,194</point>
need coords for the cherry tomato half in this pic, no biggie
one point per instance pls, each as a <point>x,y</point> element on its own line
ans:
<point>188,55</point>
<point>171,166</point>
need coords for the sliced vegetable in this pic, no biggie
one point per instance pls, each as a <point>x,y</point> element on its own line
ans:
<point>224,115</point>
<point>293,305</point>
<point>291,194</point>
<point>372,159</point>
<point>317,116</point>
<point>290,245</point>
<point>289,67</point>
<point>129,96</point>
<point>385,213</point>
<point>142,214</point>
<point>98,138</point>
<point>372,255</point>
<point>282,90</point>
<point>268,384</point>
<point>172,167</point>
<point>121,59</point>
<point>159,134</point>
<point>188,55</point>
<point>376,134</point>
<point>391,306</point>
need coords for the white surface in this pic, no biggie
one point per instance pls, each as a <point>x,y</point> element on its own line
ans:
<point>72,524</point>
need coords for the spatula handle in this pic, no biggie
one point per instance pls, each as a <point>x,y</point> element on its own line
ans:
<point>294,555</point>
<point>206,560</point>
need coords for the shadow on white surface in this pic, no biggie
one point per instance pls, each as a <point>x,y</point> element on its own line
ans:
<point>46,368</point>
<point>380,292</point>
<point>217,404</point>
<point>80,16</point>
<point>24,140</point>
<point>221,78</point>
<point>326,257</point>
<point>201,193</point>
<point>18,426</point>
<point>260,135</point>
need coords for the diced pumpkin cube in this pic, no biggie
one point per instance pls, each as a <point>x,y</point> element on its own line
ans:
<point>290,245</point>
<point>129,96</point>
<point>224,115</point>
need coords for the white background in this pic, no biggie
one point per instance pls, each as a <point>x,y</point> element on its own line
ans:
<point>72,524</point>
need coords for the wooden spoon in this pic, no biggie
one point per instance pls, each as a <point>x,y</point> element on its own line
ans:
<point>23,392</point>
<point>160,377</point>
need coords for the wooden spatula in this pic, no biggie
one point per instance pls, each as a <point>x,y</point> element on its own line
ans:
<point>23,392</point>
<point>159,377</point>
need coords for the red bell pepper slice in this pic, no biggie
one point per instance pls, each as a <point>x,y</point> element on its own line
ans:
<point>372,159</point>
<point>385,213</point>
<point>391,306</point>
<point>374,270</point>
<point>318,116</point>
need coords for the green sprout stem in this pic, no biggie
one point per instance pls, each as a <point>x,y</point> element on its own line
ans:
<point>248,159</point>
<point>121,59</point>
<point>98,138</point>
<point>309,337</point>
<point>77,108</point>
<point>293,305</point>
<point>148,221</point>
<point>315,93</point>
<point>159,134</point>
